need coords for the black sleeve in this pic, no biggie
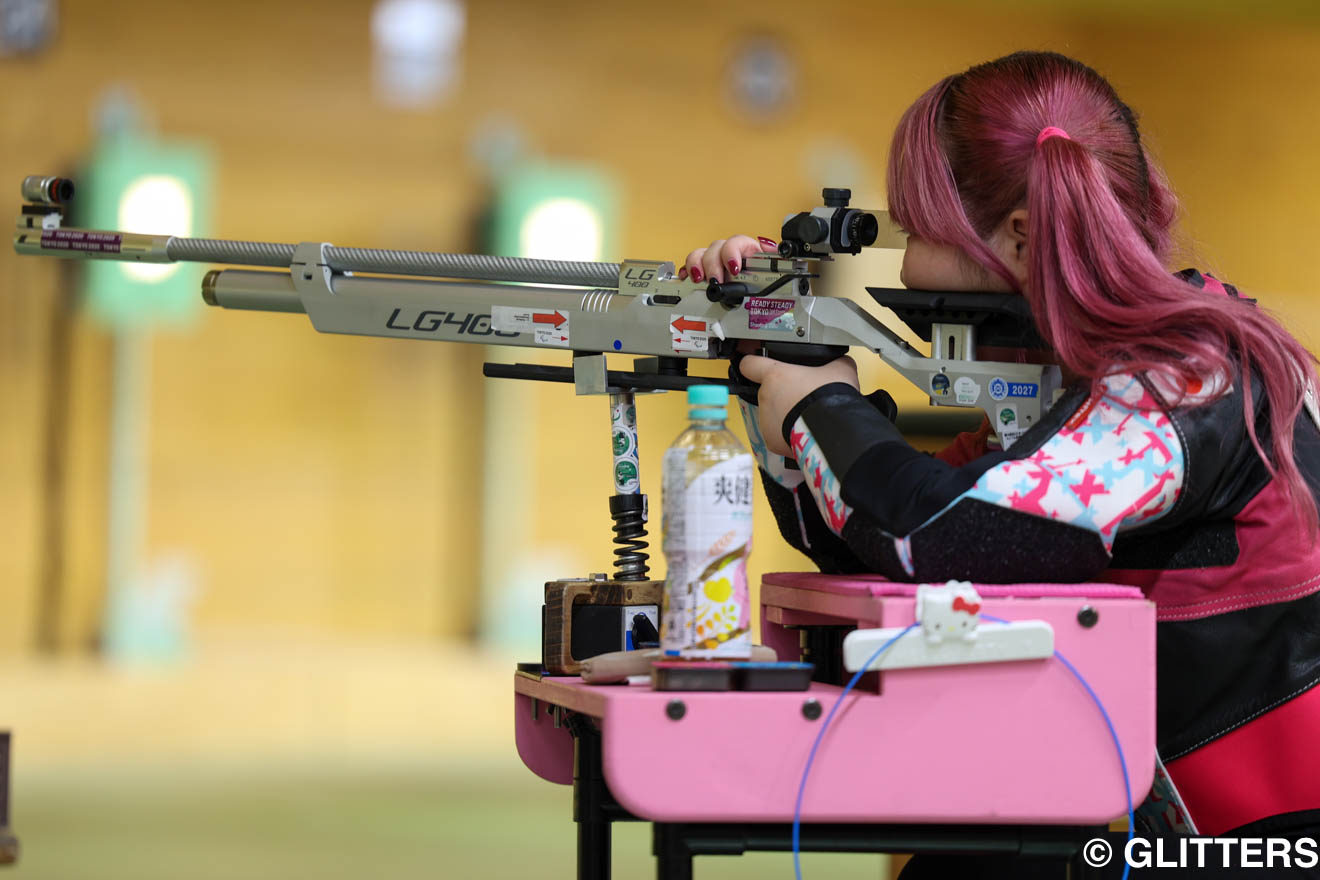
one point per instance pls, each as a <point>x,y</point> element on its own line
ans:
<point>908,516</point>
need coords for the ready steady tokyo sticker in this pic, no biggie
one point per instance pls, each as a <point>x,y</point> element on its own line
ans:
<point>767,313</point>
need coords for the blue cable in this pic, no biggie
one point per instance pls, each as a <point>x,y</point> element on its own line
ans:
<point>1122,761</point>
<point>811,756</point>
<point>802,788</point>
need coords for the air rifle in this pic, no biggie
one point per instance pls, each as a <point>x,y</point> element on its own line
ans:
<point>588,309</point>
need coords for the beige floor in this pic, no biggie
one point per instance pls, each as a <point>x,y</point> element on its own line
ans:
<point>262,695</point>
<point>268,756</point>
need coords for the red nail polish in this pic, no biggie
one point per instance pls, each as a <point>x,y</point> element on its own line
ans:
<point>682,274</point>
<point>733,267</point>
<point>696,276</point>
<point>766,243</point>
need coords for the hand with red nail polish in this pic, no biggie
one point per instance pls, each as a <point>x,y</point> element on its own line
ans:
<point>723,258</point>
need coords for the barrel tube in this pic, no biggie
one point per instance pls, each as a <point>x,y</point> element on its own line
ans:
<point>254,291</point>
<point>92,244</point>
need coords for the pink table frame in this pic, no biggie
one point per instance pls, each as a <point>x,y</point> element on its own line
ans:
<point>1011,744</point>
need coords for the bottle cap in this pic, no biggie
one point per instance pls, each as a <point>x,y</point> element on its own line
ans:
<point>708,395</point>
<point>708,401</point>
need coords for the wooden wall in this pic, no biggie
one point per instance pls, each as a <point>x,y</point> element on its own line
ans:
<point>333,483</point>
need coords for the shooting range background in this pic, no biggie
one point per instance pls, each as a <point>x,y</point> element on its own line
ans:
<point>334,710</point>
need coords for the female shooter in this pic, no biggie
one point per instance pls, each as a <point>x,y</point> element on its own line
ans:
<point>1184,457</point>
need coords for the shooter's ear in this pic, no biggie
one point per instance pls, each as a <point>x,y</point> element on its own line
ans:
<point>1012,243</point>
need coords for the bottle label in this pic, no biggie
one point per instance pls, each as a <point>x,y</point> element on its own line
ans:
<point>708,535</point>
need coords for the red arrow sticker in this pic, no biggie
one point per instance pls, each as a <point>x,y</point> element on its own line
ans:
<point>690,333</point>
<point>555,318</point>
<point>546,328</point>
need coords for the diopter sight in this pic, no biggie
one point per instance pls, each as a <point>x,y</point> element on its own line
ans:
<point>832,229</point>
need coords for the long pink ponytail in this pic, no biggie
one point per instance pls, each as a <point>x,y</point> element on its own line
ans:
<point>1100,217</point>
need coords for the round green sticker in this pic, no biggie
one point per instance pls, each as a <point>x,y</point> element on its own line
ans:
<point>625,472</point>
<point>622,442</point>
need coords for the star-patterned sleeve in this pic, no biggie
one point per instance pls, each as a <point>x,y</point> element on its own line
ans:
<point>794,508</point>
<point>1047,509</point>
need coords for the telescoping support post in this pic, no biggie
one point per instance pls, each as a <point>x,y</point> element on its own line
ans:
<point>627,504</point>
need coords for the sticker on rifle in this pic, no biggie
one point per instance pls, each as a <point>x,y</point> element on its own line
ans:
<point>1023,389</point>
<point>939,385</point>
<point>80,240</point>
<point>965,390</point>
<point>625,477</point>
<point>999,389</point>
<point>547,326</point>
<point>689,333</point>
<point>765,313</point>
<point>1008,426</point>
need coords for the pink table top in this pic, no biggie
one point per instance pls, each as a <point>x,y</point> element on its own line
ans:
<point>1013,742</point>
<point>875,585</point>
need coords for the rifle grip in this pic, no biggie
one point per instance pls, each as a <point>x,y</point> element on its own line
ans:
<point>805,354</point>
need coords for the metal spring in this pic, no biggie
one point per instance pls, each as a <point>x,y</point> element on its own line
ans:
<point>630,556</point>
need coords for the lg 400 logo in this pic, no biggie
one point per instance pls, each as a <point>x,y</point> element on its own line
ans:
<point>432,321</point>
<point>639,277</point>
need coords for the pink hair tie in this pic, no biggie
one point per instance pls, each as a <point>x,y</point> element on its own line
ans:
<point>1050,131</point>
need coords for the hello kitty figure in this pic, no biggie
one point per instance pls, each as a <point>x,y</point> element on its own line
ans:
<point>950,610</point>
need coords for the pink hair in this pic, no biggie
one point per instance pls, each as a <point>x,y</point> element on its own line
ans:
<point>1100,216</point>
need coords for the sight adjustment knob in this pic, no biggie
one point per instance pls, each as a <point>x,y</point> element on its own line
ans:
<point>730,294</point>
<point>836,198</point>
<point>806,228</point>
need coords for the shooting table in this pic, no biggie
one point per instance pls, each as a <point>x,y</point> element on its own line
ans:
<point>995,758</point>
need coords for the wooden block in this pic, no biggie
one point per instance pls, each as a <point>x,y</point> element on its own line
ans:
<point>562,595</point>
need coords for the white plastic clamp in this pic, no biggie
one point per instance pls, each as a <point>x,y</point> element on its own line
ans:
<point>952,633</point>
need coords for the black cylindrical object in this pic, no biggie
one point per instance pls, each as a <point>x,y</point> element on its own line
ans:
<point>47,190</point>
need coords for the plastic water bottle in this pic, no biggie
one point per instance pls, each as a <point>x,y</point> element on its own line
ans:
<point>707,521</point>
